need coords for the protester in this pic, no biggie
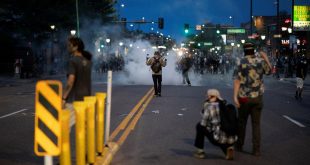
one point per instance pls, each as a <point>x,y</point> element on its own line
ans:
<point>210,127</point>
<point>156,62</point>
<point>186,64</point>
<point>301,73</point>
<point>79,72</point>
<point>248,94</point>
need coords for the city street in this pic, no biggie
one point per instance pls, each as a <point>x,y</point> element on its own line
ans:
<point>165,132</point>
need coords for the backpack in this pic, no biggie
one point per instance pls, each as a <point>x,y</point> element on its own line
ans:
<point>229,118</point>
<point>156,66</point>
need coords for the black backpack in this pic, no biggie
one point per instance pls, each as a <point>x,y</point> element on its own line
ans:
<point>156,66</point>
<point>229,118</point>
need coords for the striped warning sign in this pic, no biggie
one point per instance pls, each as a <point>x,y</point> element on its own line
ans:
<point>48,106</point>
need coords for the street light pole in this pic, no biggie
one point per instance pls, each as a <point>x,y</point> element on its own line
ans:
<point>251,14</point>
<point>77,17</point>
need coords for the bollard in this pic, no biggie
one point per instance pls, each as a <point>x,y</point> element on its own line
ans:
<point>90,102</point>
<point>80,109</point>
<point>65,156</point>
<point>100,121</point>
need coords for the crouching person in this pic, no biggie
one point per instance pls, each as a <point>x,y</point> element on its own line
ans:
<point>209,126</point>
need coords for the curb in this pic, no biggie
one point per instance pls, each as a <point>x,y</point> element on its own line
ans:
<point>108,153</point>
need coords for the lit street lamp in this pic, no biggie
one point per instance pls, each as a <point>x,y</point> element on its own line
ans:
<point>242,41</point>
<point>263,37</point>
<point>52,27</point>
<point>73,32</point>
<point>108,40</point>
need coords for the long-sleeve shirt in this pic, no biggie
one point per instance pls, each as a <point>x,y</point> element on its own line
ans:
<point>212,121</point>
<point>151,61</point>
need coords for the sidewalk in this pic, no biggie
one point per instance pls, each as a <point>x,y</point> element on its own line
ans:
<point>8,81</point>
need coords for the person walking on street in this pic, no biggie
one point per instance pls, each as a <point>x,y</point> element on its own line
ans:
<point>79,73</point>
<point>156,62</point>
<point>210,126</point>
<point>186,64</point>
<point>248,94</point>
<point>301,73</point>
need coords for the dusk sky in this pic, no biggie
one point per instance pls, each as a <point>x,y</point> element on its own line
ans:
<point>178,12</point>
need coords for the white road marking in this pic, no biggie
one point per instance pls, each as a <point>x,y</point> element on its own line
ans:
<point>1,117</point>
<point>294,121</point>
<point>183,109</point>
<point>156,111</point>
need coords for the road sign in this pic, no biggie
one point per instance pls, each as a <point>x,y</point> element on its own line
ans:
<point>235,31</point>
<point>48,102</point>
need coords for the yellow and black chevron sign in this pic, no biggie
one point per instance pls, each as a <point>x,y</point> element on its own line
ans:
<point>48,106</point>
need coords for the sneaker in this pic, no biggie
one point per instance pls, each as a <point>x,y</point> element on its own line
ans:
<point>199,155</point>
<point>159,95</point>
<point>229,153</point>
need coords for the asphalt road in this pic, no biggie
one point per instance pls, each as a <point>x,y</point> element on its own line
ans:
<point>165,132</point>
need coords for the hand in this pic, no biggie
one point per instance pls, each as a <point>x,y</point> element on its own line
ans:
<point>237,104</point>
<point>63,103</point>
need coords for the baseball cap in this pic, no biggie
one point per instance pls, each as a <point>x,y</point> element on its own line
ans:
<point>214,92</point>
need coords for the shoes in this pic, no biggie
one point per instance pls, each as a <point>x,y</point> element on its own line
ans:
<point>199,154</point>
<point>189,85</point>
<point>296,97</point>
<point>159,94</point>
<point>229,153</point>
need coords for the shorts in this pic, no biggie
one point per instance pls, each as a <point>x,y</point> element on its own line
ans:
<point>299,82</point>
<point>69,106</point>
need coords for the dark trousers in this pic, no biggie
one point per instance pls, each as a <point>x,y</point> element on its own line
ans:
<point>157,83</point>
<point>250,107</point>
<point>185,77</point>
<point>201,132</point>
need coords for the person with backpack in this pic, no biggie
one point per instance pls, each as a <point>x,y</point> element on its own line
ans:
<point>248,93</point>
<point>211,126</point>
<point>156,62</point>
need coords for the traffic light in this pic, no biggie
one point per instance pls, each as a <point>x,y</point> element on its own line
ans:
<point>160,23</point>
<point>101,44</point>
<point>186,28</point>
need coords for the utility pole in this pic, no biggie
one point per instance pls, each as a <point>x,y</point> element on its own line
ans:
<point>292,34</point>
<point>77,17</point>
<point>251,19</point>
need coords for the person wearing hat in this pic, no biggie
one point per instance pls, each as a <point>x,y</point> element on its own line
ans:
<point>209,126</point>
<point>248,93</point>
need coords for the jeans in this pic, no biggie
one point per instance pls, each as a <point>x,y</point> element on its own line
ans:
<point>185,77</point>
<point>157,83</point>
<point>201,132</point>
<point>251,107</point>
